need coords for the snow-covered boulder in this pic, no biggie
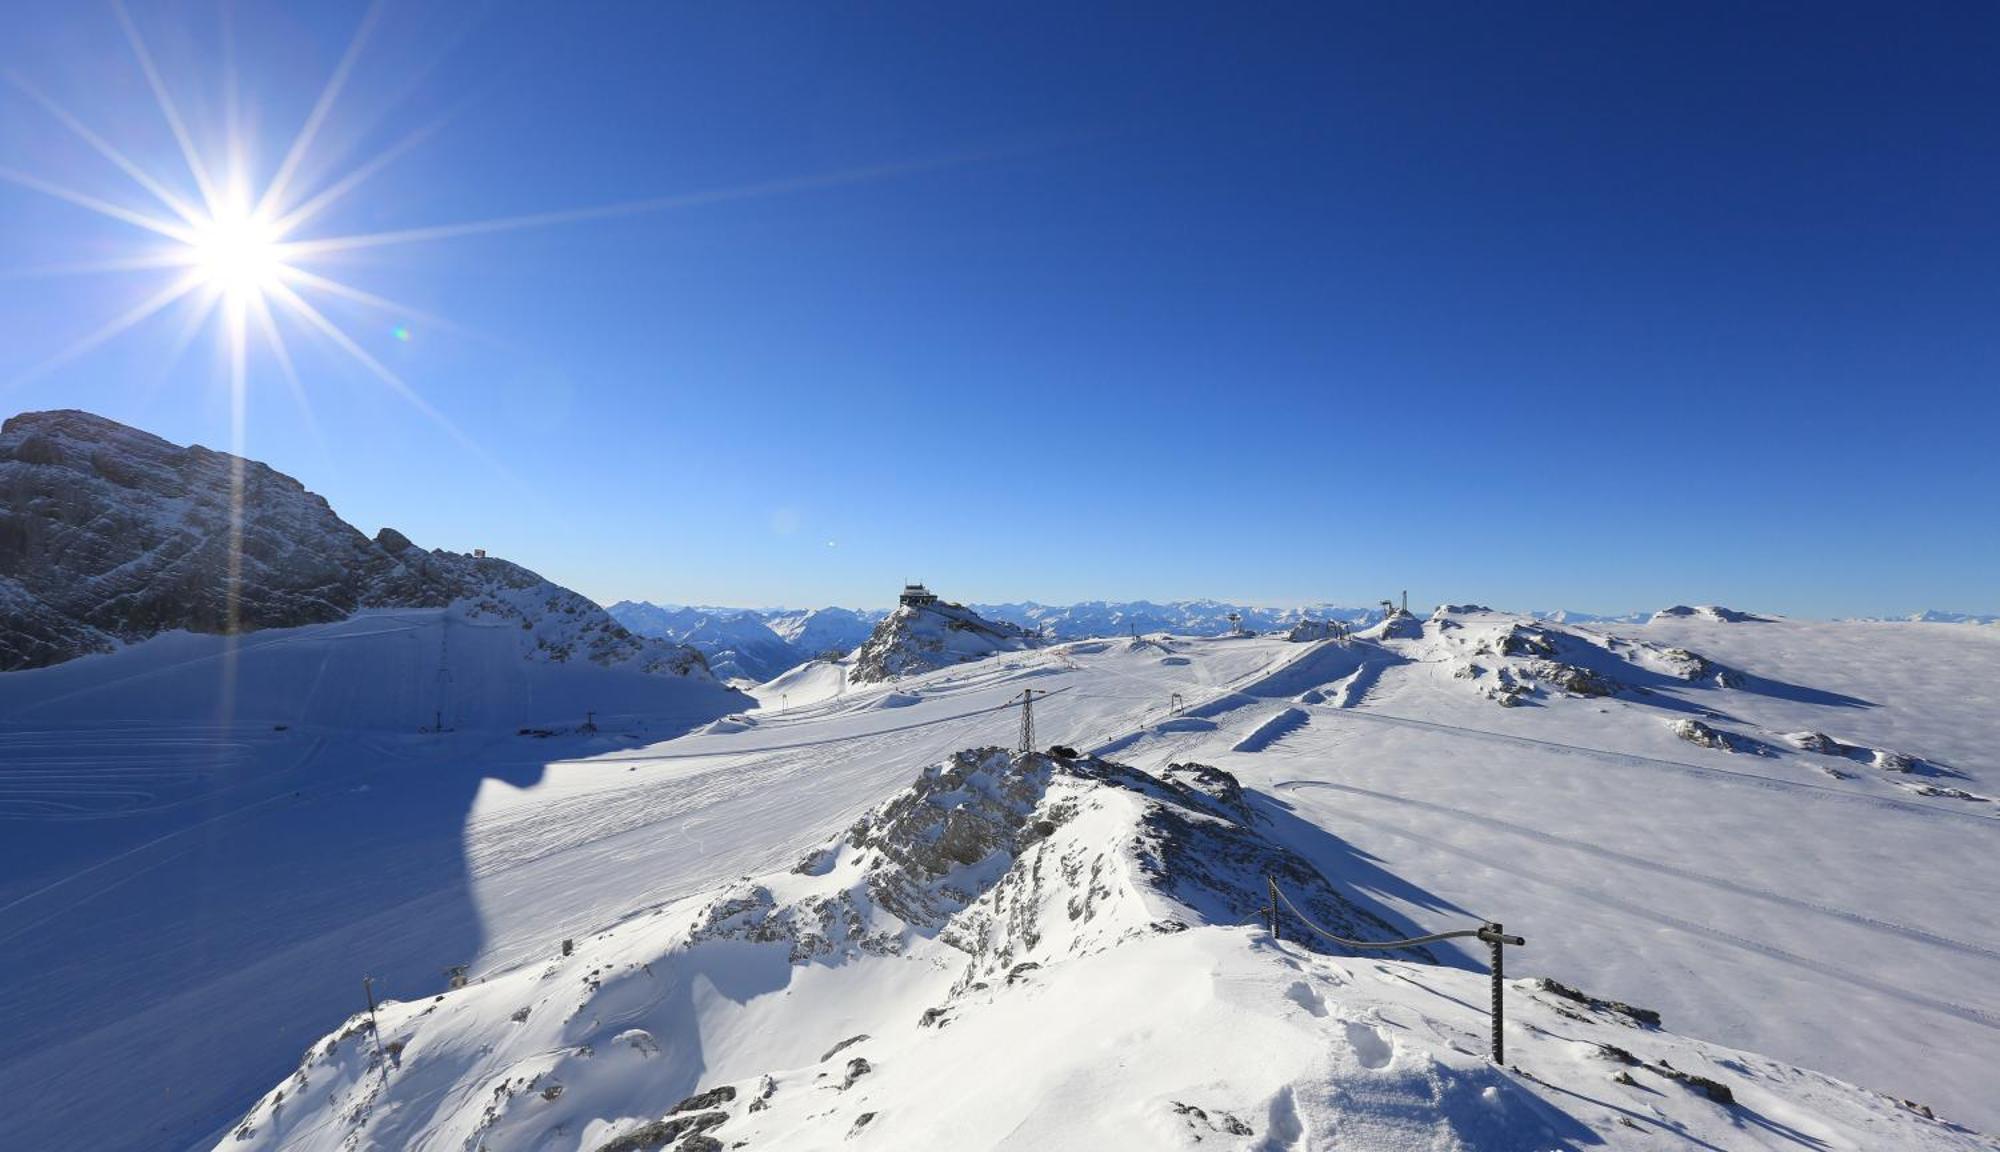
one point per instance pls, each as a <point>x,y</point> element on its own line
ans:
<point>1310,631</point>
<point>1697,733</point>
<point>1571,679</point>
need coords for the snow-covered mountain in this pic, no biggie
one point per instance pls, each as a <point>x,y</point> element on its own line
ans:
<point>110,535</point>
<point>1713,612</point>
<point>603,910</point>
<point>663,621</point>
<point>922,635</point>
<point>741,647</point>
<point>749,644</point>
<point>1933,616</point>
<point>821,631</point>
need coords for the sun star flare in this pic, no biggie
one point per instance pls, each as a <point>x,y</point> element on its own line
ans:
<point>238,253</point>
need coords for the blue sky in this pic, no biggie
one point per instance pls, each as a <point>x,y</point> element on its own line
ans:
<point>1596,306</point>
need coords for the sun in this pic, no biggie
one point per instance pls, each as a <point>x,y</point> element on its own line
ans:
<point>245,250</point>
<point>239,253</point>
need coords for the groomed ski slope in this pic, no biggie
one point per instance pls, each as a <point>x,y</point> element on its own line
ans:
<point>222,921</point>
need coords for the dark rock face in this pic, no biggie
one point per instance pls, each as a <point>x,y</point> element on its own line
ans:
<point>111,535</point>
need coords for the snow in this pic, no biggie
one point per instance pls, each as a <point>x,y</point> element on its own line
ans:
<point>205,845</point>
<point>190,896</point>
<point>944,975</point>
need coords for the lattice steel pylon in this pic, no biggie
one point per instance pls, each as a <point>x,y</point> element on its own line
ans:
<point>1028,719</point>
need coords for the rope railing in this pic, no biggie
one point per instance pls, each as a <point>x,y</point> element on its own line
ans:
<point>1489,932</point>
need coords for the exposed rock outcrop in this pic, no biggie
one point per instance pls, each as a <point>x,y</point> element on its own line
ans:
<point>1017,859</point>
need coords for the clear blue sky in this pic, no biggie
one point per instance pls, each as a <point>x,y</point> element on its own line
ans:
<point>1585,305</point>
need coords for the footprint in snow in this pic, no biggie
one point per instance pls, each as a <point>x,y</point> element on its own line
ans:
<point>1370,1046</point>
<point>1283,1129</point>
<point>1307,997</point>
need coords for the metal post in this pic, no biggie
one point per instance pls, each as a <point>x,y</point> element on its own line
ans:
<point>374,1028</point>
<point>1493,942</point>
<point>1489,932</point>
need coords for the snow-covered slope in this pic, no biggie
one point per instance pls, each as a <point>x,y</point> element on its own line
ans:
<point>1789,897</point>
<point>924,637</point>
<point>205,842</point>
<point>1024,952</point>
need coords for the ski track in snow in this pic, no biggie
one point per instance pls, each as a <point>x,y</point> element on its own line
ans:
<point>1738,887</point>
<point>1634,760</point>
<point>1645,912</point>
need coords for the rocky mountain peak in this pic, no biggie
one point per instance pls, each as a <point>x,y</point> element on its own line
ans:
<point>927,633</point>
<point>110,535</point>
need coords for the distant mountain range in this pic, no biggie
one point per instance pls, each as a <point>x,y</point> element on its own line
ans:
<point>1932,616</point>
<point>758,644</point>
<point>748,643</point>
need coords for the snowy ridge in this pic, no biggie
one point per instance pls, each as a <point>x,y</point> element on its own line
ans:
<point>951,969</point>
